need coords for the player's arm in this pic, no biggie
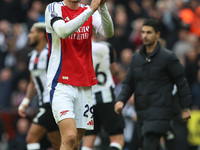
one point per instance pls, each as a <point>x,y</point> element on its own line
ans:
<point>31,92</point>
<point>102,22</point>
<point>127,90</point>
<point>176,72</point>
<point>112,59</point>
<point>53,18</point>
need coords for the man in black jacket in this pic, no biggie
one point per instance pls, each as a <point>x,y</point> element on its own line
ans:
<point>152,73</point>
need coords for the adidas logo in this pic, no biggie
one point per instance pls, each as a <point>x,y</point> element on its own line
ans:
<point>67,19</point>
<point>63,112</point>
<point>90,123</point>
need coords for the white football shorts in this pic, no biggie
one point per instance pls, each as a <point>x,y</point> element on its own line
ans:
<point>73,102</point>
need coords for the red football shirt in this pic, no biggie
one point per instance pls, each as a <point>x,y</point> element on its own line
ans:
<point>71,58</point>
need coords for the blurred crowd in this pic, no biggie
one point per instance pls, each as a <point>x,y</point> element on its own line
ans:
<point>180,21</point>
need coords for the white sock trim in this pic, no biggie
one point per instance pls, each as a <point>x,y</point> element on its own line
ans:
<point>33,146</point>
<point>117,145</point>
<point>86,148</point>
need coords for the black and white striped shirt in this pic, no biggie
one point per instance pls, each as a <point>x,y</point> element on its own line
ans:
<point>103,57</point>
<point>38,68</point>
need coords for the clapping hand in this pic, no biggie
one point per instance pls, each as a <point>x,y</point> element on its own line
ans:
<point>96,3</point>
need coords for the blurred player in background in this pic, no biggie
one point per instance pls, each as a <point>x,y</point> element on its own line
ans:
<point>43,122</point>
<point>103,99</point>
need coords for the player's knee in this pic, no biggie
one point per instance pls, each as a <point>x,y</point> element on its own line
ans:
<point>69,139</point>
<point>115,146</point>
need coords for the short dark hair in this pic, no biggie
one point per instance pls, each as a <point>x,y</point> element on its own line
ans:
<point>40,26</point>
<point>153,23</point>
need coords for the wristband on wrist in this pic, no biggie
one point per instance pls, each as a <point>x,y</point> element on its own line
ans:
<point>25,101</point>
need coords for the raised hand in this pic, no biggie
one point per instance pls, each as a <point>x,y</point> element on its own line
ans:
<point>95,4</point>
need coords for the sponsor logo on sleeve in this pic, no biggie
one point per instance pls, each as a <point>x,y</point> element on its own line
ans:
<point>54,14</point>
